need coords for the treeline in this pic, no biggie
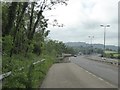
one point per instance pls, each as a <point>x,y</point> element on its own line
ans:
<point>87,50</point>
<point>24,41</point>
<point>24,26</point>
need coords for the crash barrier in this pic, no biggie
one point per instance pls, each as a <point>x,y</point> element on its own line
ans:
<point>2,76</point>
<point>63,59</point>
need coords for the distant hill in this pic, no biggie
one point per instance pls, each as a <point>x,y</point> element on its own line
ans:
<point>83,44</point>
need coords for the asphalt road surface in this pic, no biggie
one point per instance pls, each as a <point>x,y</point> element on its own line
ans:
<point>102,70</point>
<point>70,75</point>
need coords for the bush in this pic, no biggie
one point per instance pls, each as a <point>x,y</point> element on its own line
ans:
<point>7,44</point>
<point>111,55</point>
<point>118,56</point>
<point>30,76</point>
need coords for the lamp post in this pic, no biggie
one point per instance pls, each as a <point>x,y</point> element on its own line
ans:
<point>91,37</point>
<point>105,26</point>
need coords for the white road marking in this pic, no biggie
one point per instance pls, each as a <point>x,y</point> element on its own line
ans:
<point>90,73</point>
<point>87,71</point>
<point>94,75</point>
<point>98,77</point>
<point>109,84</point>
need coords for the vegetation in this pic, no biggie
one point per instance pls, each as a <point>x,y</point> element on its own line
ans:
<point>24,41</point>
<point>112,54</point>
<point>87,50</point>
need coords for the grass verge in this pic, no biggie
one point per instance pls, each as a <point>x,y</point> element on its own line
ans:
<point>31,76</point>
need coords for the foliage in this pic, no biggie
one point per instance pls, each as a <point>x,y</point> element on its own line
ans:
<point>87,50</point>
<point>28,77</point>
<point>112,54</point>
<point>24,41</point>
<point>7,44</point>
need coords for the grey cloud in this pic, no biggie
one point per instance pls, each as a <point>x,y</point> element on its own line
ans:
<point>91,24</point>
<point>86,26</point>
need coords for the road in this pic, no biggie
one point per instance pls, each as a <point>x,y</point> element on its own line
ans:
<point>70,75</point>
<point>105,71</point>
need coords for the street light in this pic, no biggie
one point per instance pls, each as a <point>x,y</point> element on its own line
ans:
<point>91,37</point>
<point>105,26</point>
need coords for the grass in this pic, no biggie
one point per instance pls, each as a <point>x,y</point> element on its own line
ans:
<point>31,76</point>
<point>112,54</point>
<point>116,54</point>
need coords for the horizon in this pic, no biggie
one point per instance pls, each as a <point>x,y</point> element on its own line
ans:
<point>88,43</point>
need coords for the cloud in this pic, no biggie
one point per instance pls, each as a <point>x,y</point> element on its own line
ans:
<point>83,18</point>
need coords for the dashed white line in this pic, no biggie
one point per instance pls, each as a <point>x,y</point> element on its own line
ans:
<point>90,73</point>
<point>87,71</point>
<point>94,75</point>
<point>109,84</point>
<point>98,77</point>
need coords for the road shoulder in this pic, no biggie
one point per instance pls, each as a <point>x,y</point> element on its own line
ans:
<point>70,75</point>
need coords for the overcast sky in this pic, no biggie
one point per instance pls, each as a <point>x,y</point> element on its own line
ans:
<point>82,18</point>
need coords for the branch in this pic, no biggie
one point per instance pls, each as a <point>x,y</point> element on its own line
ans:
<point>36,23</point>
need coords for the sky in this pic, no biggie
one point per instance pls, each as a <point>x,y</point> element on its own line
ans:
<point>82,18</point>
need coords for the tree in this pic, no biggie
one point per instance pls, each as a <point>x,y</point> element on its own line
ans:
<point>11,17</point>
<point>24,21</point>
<point>25,34</point>
<point>18,23</point>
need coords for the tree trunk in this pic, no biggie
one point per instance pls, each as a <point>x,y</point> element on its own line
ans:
<point>11,18</point>
<point>17,26</point>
